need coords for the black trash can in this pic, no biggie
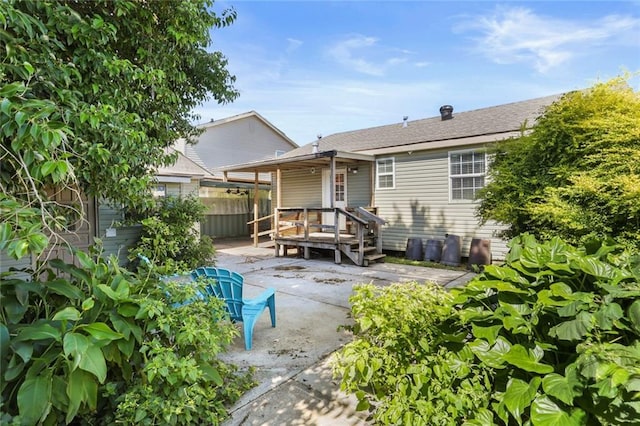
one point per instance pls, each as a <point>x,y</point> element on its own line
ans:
<point>414,249</point>
<point>433,250</point>
<point>451,251</point>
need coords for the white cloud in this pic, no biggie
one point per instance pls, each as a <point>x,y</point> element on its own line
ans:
<point>294,44</point>
<point>518,35</point>
<point>345,52</point>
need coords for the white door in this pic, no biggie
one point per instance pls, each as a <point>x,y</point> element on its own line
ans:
<point>340,183</point>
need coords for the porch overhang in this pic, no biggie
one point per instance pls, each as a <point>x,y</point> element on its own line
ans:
<point>317,160</point>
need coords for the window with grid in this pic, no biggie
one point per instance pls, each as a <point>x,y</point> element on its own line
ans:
<point>385,173</point>
<point>467,172</point>
<point>340,188</point>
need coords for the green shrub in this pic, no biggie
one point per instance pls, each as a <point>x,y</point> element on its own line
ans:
<point>560,328</point>
<point>549,338</point>
<point>169,238</point>
<point>398,366</point>
<point>96,344</point>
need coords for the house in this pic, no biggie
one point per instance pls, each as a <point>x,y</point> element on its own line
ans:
<point>234,199</point>
<point>416,179</point>
<point>237,139</point>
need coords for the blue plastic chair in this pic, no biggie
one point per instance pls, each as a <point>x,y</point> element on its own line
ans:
<point>228,287</point>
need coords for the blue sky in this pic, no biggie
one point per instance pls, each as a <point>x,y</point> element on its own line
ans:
<point>323,67</point>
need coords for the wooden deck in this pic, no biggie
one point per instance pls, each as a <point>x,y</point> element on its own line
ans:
<point>298,228</point>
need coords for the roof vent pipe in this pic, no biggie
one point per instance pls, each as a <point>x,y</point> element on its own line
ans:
<point>404,119</point>
<point>314,147</point>
<point>446,112</point>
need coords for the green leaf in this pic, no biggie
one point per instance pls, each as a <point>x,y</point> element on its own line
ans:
<point>34,398</point>
<point>94,363</point>
<point>482,417</point>
<point>87,304</point>
<point>69,313</point>
<point>634,315</point>
<point>101,331</point>
<point>607,315</point>
<point>518,396</point>
<point>212,374</point>
<point>85,261</point>
<point>65,288</point>
<point>4,346</point>
<point>82,388</point>
<point>497,285</point>
<point>594,267</point>
<point>75,344</point>
<point>128,309</point>
<point>109,292</point>
<point>573,330</point>
<point>522,358</point>
<point>492,356</point>
<point>38,332</point>
<point>565,389</point>
<point>6,231</point>
<point>545,412</point>
<point>487,333</point>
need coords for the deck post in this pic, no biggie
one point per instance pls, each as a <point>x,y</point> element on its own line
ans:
<point>276,220</point>
<point>336,231</point>
<point>256,225</point>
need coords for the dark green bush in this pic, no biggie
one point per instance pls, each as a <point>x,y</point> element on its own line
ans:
<point>552,337</point>
<point>96,344</point>
<point>169,238</point>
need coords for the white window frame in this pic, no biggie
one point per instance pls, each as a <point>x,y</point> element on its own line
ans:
<point>467,175</point>
<point>160,190</point>
<point>392,173</point>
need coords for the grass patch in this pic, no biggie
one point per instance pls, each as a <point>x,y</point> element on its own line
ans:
<point>423,263</point>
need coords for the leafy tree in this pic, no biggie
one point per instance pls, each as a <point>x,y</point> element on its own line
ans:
<point>91,94</point>
<point>577,174</point>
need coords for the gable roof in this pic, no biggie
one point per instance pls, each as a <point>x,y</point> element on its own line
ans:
<point>242,116</point>
<point>497,120</point>
<point>183,167</point>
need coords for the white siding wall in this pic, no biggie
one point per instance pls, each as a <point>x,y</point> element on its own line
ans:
<point>419,206</point>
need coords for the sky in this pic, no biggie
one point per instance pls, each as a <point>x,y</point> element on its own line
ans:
<point>323,67</point>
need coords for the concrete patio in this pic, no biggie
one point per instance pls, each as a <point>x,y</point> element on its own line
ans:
<point>292,361</point>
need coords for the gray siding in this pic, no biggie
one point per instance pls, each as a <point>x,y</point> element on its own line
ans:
<point>301,188</point>
<point>126,237</point>
<point>419,206</point>
<point>7,262</point>
<point>226,225</point>
<point>359,186</point>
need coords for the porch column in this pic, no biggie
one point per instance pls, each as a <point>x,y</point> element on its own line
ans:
<point>372,182</point>
<point>332,182</point>
<point>276,212</point>
<point>256,215</point>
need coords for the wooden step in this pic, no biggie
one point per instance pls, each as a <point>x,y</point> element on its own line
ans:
<point>373,258</point>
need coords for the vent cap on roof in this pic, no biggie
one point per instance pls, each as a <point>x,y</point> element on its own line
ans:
<point>446,112</point>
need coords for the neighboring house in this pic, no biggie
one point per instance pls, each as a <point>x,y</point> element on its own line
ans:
<point>237,139</point>
<point>420,176</point>
<point>232,199</point>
